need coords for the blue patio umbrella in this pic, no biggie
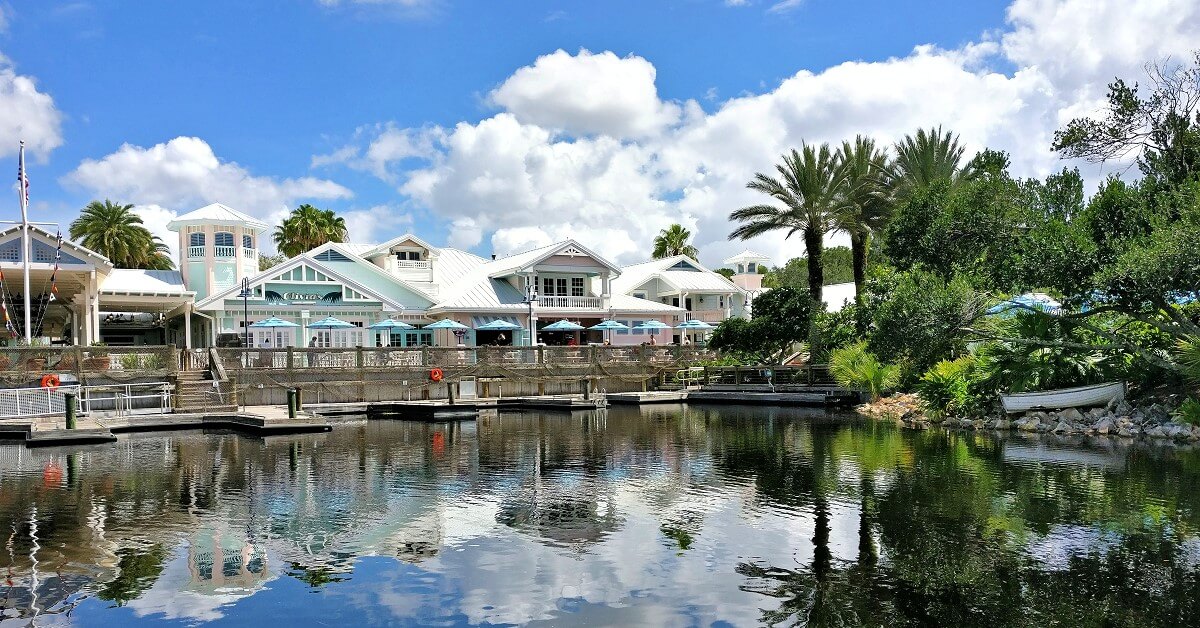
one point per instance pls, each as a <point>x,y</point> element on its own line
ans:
<point>273,322</point>
<point>1027,301</point>
<point>499,325</point>
<point>446,323</point>
<point>387,325</point>
<point>563,325</point>
<point>330,322</point>
<point>693,324</point>
<point>608,325</point>
<point>653,325</point>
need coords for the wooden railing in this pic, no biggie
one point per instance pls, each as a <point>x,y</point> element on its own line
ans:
<point>808,375</point>
<point>430,357</point>
<point>33,362</point>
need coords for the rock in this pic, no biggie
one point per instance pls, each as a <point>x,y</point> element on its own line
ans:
<point>1156,432</point>
<point>1097,413</point>
<point>1062,427</point>
<point>1103,426</point>
<point>1041,417</point>
<point>1002,424</point>
<point>1071,415</point>
<point>1125,432</point>
<point>1042,428</point>
<point>1028,425</point>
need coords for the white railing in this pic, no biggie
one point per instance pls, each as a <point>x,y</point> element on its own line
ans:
<point>195,251</point>
<point>707,316</point>
<point>110,400</point>
<point>412,264</point>
<point>249,253</point>
<point>224,251</point>
<point>576,302</point>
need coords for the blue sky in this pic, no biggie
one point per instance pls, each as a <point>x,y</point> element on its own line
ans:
<point>269,85</point>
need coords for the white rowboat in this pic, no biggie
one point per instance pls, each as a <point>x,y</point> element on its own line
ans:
<point>1080,397</point>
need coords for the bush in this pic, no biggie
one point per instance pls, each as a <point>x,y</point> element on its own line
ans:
<point>918,318</point>
<point>945,389</point>
<point>855,367</point>
<point>131,362</point>
<point>1189,411</point>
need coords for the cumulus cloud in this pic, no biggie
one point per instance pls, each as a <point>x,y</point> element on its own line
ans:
<point>183,174</point>
<point>29,114</point>
<point>387,146</point>
<point>365,225</point>
<point>587,94</point>
<point>584,146</point>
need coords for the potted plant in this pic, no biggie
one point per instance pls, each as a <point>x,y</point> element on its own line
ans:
<point>98,358</point>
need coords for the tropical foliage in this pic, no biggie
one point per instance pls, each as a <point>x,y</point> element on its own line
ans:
<point>117,232</point>
<point>672,241</point>
<point>781,321</point>
<point>856,367</point>
<point>308,227</point>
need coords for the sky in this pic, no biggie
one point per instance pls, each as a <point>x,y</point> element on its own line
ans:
<point>500,126</point>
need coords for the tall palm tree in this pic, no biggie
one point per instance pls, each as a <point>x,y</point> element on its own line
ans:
<point>673,241</point>
<point>868,201</point>
<point>927,157</point>
<point>308,227</point>
<point>116,232</point>
<point>808,195</point>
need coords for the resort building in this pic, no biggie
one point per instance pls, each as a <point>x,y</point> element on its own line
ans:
<point>411,281</point>
<point>748,269</point>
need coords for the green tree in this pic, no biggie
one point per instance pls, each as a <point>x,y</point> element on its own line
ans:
<point>725,272</point>
<point>838,262</point>
<point>268,261</point>
<point>673,241</point>
<point>868,201</point>
<point>116,232</point>
<point>926,158</point>
<point>782,317</point>
<point>808,195</point>
<point>308,227</point>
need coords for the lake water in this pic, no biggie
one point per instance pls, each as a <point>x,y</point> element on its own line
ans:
<point>653,517</point>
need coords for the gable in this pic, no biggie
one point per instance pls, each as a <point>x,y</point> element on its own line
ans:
<point>44,248</point>
<point>684,265</point>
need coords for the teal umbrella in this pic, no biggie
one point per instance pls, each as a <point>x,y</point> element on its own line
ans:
<point>609,325</point>
<point>273,322</point>
<point>389,324</point>
<point>653,325</point>
<point>330,323</point>
<point>693,324</point>
<point>563,325</point>
<point>499,325</point>
<point>446,323</point>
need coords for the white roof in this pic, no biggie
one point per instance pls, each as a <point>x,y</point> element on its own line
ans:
<point>626,303</point>
<point>699,280</point>
<point>217,214</point>
<point>837,296</point>
<point>746,256</point>
<point>377,249</point>
<point>520,261</point>
<point>150,282</point>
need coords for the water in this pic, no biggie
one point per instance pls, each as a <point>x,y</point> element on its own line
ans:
<point>655,517</point>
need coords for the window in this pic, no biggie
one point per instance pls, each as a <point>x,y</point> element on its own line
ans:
<point>750,268</point>
<point>247,242</point>
<point>639,295</point>
<point>576,286</point>
<point>562,286</point>
<point>547,286</point>
<point>223,238</point>
<point>721,301</point>
<point>196,239</point>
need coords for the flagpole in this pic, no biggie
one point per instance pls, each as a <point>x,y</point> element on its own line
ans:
<point>23,192</point>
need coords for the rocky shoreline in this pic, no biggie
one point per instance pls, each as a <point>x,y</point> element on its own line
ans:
<point>1149,418</point>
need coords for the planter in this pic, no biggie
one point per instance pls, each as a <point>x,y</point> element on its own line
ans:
<point>97,363</point>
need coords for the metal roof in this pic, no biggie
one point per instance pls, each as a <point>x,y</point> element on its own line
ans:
<point>217,214</point>
<point>149,282</point>
<point>699,280</point>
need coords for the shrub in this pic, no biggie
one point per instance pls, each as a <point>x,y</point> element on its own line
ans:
<point>855,367</point>
<point>1189,411</point>
<point>131,362</point>
<point>945,388</point>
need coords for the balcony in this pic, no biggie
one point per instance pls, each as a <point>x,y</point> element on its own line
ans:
<point>195,252</point>
<point>250,253</point>
<point>225,251</point>
<point>707,316</point>
<point>412,264</point>
<point>570,302</point>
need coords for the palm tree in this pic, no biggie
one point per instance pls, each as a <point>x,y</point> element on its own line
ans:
<point>868,201</point>
<point>308,227</point>
<point>673,241</point>
<point>116,232</point>
<point>809,197</point>
<point>930,156</point>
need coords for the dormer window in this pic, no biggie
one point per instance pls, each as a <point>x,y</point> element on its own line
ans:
<point>247,242</point>
<point>750,268</point>
<point>408,255</point>
<point>196,239</point>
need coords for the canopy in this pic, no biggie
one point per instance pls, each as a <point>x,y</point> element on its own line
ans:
<point>693,324</point>
<point>563,325</point>
<point>653,325</point>
<point>330,323</point>
<point>608,325</point>
<point>273,322</point>
<point>389,324</point>
<point>446,323</point>
<point>499,325</point>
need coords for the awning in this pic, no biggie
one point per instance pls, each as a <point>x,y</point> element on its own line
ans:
<point>480,321</point>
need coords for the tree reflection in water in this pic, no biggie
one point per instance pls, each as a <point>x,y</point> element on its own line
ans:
<point>702,514</point>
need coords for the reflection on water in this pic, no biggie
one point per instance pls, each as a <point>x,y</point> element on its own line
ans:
<point>663,516</point>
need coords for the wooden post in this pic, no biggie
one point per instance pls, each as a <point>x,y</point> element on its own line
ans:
<point>737,375</point>
<point>291,357</point>
<point>450,392</point>
<point>705,375</point>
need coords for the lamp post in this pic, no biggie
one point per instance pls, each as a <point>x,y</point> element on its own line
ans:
<point>245,295</point>
<point>531,296</point>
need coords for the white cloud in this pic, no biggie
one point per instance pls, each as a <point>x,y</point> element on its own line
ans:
<point>588,94</point>
<point>388,145</point>
<point>365,225</point>
<point>784,6</point>
<point>28,114</point>
<point>586,148</point>
<point>183,174</point>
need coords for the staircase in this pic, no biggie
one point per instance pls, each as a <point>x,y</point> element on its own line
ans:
<point>195,392</point>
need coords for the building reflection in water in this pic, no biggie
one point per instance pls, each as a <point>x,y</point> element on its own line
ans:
<point>633,516</point>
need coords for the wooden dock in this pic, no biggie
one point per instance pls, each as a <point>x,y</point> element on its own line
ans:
<point>653,396</point>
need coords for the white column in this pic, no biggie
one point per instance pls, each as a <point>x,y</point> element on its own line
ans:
<point>187,326</point>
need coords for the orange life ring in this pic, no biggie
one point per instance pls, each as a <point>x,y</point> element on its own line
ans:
<point>51,381</point>
<point>436,375</point>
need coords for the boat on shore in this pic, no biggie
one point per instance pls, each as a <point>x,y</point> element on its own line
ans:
<point>1078,397</point>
